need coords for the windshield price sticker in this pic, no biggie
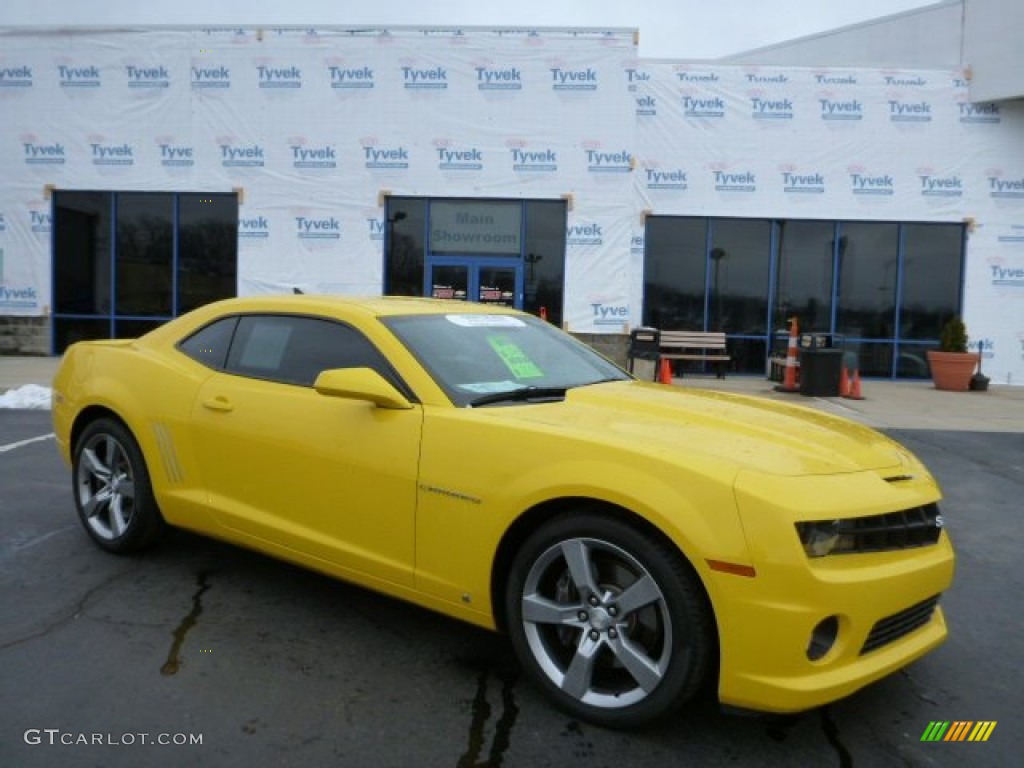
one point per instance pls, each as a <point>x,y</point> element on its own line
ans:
<point>521,366</point>
<point>486,321</point>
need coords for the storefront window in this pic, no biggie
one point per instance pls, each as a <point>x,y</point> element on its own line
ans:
<point>932,263</point>
<point>504,251</point>
<point>675,263</point>
<point>81,261</point>
<point>803,279</point>
<point>544,256</point>
<point>125,262</point>
<point>207,233</point>
<point>144,250</point>
<point>850,280</point>
<point>405,244</point>
<point>738,265</point>
<point>868,258</point>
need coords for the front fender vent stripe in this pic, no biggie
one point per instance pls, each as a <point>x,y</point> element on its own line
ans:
<point>168,456</point>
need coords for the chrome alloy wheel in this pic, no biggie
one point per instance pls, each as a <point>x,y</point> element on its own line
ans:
<point>597,623</point>
<point>105,485</point>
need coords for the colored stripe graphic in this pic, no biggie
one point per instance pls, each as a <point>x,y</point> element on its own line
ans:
<point>982,731</point>
<point>958,730</point>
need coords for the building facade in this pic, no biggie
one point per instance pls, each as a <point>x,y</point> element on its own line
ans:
<point>151,170</point>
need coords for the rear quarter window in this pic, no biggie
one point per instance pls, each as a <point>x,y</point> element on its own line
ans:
<point>209,345</point>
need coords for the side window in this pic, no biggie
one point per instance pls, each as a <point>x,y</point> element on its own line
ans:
<point>209,345</point>
<point>295,350</point>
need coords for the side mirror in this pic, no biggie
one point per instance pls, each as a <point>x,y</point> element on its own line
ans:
<point>360,384</point>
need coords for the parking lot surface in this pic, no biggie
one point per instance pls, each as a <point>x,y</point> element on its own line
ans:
<point>103,658</point>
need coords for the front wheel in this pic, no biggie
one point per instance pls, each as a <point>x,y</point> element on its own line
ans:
<point>608,619</point>
<point>112,489</point>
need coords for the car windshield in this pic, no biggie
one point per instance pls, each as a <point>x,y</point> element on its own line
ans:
<point>478,358</point>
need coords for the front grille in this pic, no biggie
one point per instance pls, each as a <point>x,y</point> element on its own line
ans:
<point>914,527</point>
<point>892,628</point>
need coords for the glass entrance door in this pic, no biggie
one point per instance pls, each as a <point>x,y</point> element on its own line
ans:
<point>485,280</point>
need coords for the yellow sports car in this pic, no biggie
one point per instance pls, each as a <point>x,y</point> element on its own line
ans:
<point>632,539</point>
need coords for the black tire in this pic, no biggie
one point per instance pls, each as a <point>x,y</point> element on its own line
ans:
<point>606,655</point>
<point>112,490</point>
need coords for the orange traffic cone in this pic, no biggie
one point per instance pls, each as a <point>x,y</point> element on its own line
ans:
<point>665,373</point>
<point>792,360</point>
<point>844,382</point>
<point>855,387</point>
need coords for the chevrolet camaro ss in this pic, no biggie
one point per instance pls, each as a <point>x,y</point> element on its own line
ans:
<point>634,540</point>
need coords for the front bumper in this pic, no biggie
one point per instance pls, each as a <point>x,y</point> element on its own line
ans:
<point>766,622</point>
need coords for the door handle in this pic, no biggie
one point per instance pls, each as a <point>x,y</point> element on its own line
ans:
<point>219,403</point>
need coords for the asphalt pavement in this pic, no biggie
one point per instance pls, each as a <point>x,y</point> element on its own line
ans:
<point>103,657</point>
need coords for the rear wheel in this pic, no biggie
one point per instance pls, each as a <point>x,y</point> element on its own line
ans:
<point>608,619</point>
<point>112,489</point>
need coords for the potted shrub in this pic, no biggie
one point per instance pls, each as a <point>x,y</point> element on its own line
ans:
<point>952,365</point>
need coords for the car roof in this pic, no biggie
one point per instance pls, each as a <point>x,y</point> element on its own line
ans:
<point>374,305</point>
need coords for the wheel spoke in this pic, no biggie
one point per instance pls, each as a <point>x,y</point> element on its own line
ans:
<point>114,453</point>
<point>643,670</point>
<point>641,593</point>
<point>577,678</point>
<point>97,502</point>
<point>95,466</point>
<point>118,524</point>
<point>540,610</point>
<point>577,557</point>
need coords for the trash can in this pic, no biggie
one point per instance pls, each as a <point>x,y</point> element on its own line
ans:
<point>644,344</point>
<point>820,371</point>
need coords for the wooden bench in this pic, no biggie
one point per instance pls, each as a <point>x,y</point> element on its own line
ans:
<point>777,367</point>
<point>700,346</point>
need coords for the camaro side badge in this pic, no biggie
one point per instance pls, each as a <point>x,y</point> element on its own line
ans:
<point>452,494</point>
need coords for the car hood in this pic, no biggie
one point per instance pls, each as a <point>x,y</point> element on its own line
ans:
<point>692,424</point>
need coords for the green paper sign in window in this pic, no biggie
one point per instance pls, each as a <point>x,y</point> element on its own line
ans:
<point>521,366</point>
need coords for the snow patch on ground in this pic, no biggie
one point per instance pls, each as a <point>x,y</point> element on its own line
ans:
<point>29,396</point>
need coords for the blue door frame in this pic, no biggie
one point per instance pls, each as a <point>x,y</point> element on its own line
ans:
<point>473,265</point>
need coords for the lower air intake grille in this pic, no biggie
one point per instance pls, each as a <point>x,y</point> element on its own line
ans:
<point>892,628</point>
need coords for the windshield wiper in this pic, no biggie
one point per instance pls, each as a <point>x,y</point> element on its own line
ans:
<point>523,393</point>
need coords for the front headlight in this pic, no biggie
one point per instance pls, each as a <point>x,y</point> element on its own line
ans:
<point>821,537</point>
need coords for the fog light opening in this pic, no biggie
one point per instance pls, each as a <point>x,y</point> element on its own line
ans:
<point>823,637</point>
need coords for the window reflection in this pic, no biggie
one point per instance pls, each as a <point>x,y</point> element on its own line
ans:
<point>931,278</point>
<point>81,261</point>
<point>803,283</point>
<point>739,262</point>
<point>163,243</point>
<point>544,256</point>
<point>143,253</point>
<point>207,249</point>
<point>405,224</point>
<point>867,254</point>
<point>675,260</point>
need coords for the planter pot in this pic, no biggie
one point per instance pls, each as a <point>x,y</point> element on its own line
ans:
<point>952,371</point>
